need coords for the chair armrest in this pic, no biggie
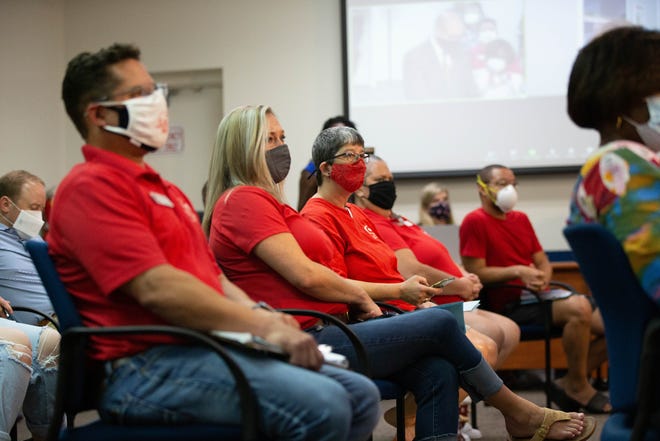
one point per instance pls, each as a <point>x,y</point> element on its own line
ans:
<point>363,361</point>
<point>564,285</point>
<point>388,307</point>
<point>72,360</point>
<point>37,312</point>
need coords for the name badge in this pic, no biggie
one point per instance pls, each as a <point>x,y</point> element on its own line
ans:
<point>161,199</point>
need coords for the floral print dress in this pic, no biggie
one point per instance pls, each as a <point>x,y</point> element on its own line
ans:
<point>619,187</point>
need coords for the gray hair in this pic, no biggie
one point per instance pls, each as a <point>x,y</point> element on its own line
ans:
<point>329,141</point>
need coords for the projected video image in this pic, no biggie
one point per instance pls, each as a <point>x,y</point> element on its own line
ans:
<point>452,85</point>
<point>438,50</point>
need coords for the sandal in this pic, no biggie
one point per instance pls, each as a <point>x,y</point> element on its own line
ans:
<point>596,404</point>
<point>551,416</point>
<point>562,400</point>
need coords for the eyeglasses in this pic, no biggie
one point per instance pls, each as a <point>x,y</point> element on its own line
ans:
<point>138,91</point>
<point>353,157</point>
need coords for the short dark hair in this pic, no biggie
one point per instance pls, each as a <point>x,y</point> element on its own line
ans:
<point>338,120</point>
<point>11,184</point>
<point>329,141</point>
<point>88,79</point>
<point>486,173</point>
<point>613,74</point>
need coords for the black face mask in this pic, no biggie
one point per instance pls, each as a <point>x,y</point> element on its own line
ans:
<point>382,194</point>
<point>278,160</point>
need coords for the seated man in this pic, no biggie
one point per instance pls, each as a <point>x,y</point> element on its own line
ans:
<point>22,201</point>
<point>500,245</point>
<point>419,253</point>
<point>130,249</point>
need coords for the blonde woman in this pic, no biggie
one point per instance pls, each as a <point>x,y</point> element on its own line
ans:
<point>277,256</point>
<point>434,208</point>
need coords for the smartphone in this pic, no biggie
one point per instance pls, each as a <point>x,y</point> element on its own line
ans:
<point>444,282</point>
<point>8,315</point>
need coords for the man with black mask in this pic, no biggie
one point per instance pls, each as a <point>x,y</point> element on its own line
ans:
<point>419,253</point>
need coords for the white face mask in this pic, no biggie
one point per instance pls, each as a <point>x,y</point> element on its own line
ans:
<point>506,198</point>
<point>28,223</point>
<point>148,124</point>
<point>649,131</point>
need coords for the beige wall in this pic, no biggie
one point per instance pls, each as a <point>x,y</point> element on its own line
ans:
<point>31,66</point>
<point>285,53</point>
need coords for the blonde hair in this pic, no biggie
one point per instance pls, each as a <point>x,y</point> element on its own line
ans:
<point>428,193</point>
<point>239,157</point>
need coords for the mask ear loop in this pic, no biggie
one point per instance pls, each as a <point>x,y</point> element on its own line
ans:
<point>483,185</point>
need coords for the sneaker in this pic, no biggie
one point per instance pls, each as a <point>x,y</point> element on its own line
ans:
<point>470,432</point>
<point>460,436</point>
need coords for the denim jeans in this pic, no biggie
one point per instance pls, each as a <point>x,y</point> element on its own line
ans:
<point>426,352</point>
<point>32,387</point>
<point>180,384</point>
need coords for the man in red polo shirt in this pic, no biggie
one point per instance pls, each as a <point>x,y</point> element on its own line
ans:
<point>499,245</point>
<point>129,248</point>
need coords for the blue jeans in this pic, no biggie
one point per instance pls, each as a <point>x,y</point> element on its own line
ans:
<point>427,353</point>
<point>181,384</point>
<point>30,386</point>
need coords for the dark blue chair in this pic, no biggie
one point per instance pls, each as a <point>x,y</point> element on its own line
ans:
<point>80,379</point>
<point>632,330</point>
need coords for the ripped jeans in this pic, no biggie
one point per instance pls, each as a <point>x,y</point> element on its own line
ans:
<point>28,374</point>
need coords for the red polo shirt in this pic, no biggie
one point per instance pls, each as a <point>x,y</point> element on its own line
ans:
<point>366,256</point>
<point>399,233</point>
<point>245,216</point>
<point>114,220</point>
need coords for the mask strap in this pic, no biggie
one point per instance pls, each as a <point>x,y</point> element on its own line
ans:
<point>122,112</point>
<point>3,216</point>
<point>483,185</point>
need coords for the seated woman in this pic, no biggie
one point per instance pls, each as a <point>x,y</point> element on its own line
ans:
<point>259,241</point>
<point>419,253</point>
<point>434,208</point>
<point>28,375</point>
<point>614,88</point>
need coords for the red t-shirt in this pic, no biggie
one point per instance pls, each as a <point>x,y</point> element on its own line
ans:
<point>501,242</point>
<point>366,256</point>
<point>399,233</point>
<point>114,220</point>
<point>245,216</point>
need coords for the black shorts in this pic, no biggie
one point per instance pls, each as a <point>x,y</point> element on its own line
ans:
<point>532,314</point>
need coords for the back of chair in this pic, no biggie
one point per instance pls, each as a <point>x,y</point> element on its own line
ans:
<point>623,303</point>
<point>80,379</point>
<point>83,380</point>
<point>65,309</point>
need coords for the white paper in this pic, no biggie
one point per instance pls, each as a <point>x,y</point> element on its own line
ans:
<point>470,306</point>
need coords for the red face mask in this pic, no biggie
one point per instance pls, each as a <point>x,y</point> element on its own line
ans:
<point>349,176</point>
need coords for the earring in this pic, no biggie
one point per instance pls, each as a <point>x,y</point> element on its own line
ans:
<point>618,122</point>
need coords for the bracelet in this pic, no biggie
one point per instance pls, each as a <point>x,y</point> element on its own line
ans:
<point>263,305</point>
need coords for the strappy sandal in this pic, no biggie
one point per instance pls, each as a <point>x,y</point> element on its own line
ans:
<point>597,404</point>
<point>551,416</point>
